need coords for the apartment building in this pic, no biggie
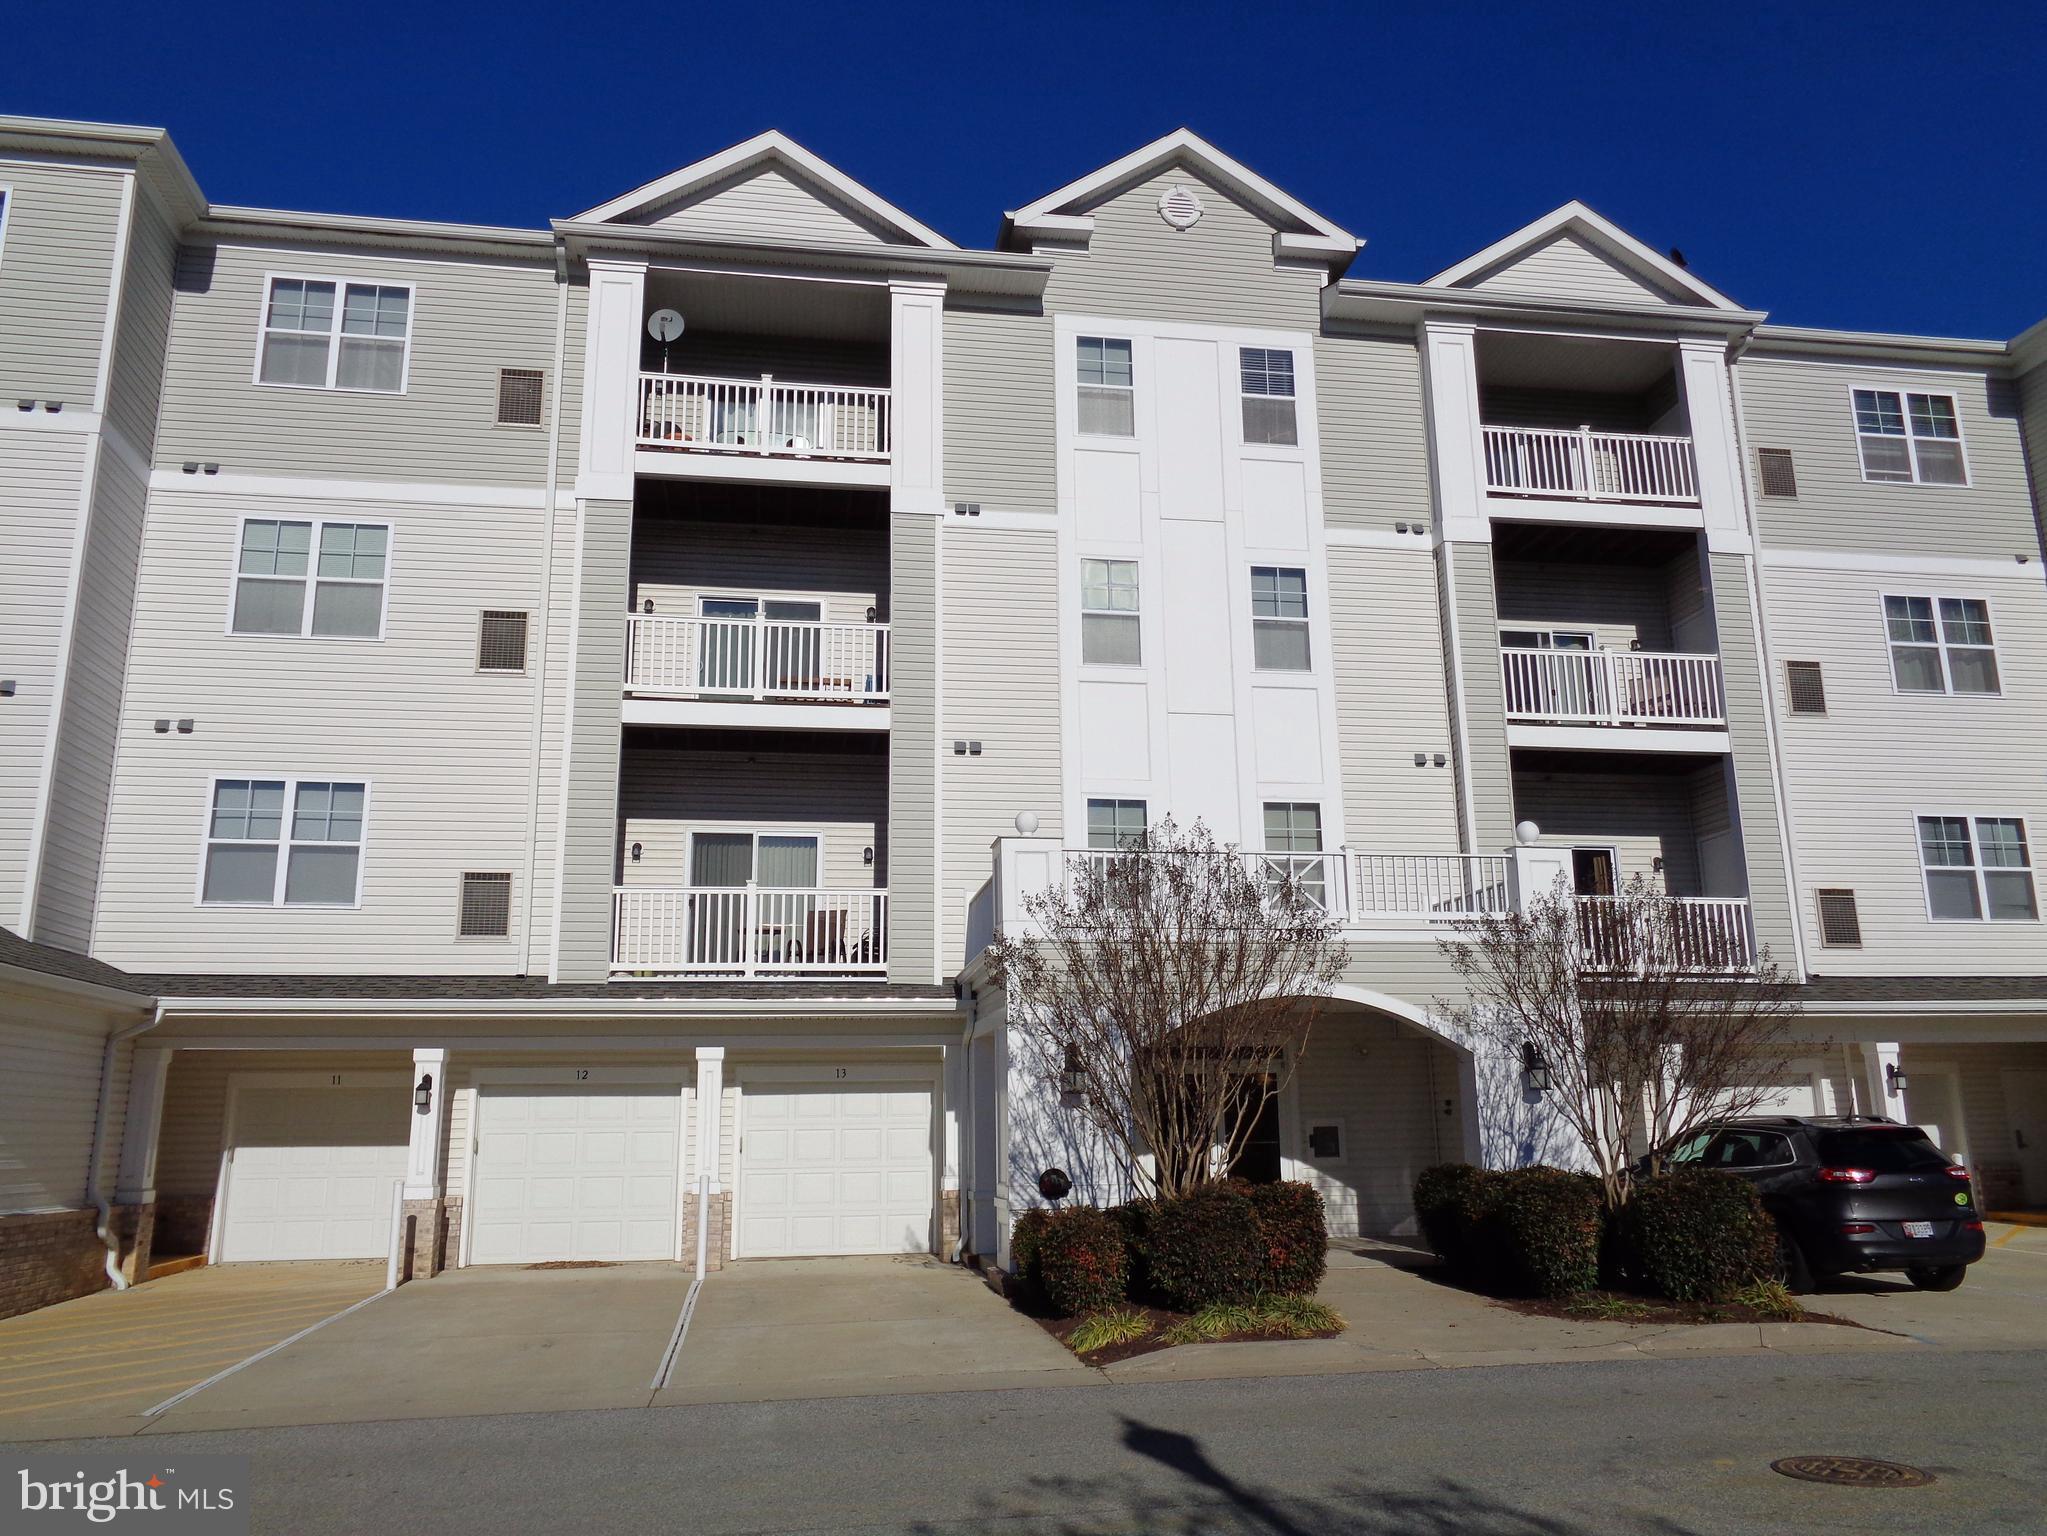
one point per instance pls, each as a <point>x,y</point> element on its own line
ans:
<point>537,727</point>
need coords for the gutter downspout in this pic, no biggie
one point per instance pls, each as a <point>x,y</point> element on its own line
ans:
<point>544,612</point>
<point>94,1195</point>
<point>966,1194</point>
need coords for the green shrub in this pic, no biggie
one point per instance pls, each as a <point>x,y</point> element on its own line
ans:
<point>1696,1234</point>
<point>1023,1245</point>
<point>1081,1265</point>
<point>1547,1224</point>
<point>1296,1233</point>
<point>1207,1246</point>
<point>1135,1217</point>
<point>1452,1204</point>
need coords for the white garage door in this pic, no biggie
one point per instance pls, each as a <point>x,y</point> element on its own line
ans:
<point>844,1168</point>
<point>311,1170</point>
<point>575,1173</point>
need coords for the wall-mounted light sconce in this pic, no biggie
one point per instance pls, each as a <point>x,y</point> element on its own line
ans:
<point>866,855</point>
<point>873,614</point>
<point>1072,1080</point>
<point>636,852</point>
<point>646,605</point>
<point>1895,1080</point>
<point>1656,864</point>
<point>423,1093</point>
<point>1535,1071</point>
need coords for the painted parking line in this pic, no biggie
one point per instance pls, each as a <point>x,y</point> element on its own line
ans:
<point>261,1354</point>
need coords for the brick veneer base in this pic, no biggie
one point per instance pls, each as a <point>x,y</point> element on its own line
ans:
<point>948,1222</point>
<point>719,1232</point>
<point>52,1256</point>
<point>435,1227</point>
<point>183,1223</point>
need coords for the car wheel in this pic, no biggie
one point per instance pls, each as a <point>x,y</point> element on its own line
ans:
<point>1936,1277</point>
<point>1791,1271</point>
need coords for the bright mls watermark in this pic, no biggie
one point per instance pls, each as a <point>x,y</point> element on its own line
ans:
<point>178,1496</point>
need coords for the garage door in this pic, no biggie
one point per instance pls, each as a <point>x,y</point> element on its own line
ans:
<point>575,1173</point>
<point>311,1170</point>
<point>842,1168</point>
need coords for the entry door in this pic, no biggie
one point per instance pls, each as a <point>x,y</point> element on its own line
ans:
<point>1592,872</point>
<point>2025,1103</point>
<point>1259,1158</point>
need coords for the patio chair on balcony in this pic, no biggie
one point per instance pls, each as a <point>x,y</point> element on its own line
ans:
<point>824,939</point>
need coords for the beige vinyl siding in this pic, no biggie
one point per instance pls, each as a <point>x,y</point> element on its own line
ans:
<point>2032,393</point>
<point>916,783</point>
<point>1858,776</point>
<point>666,793</point>
<point>50,1054</point>
<point>547,640</point>
<point>768,203</point>
<point>790,359</point>
<point>1411,971</point>
<point>999,410</point>
<point>1002,690</point>
<point>469,319</point>
<point>135,381</point>
<point>1807,408</point>
<point>56,273</point>
<point>1570,268</point>
<point>574,299</point>
<point>677,560</point>
<point>1467,571</point>
<point>1567,410</point>
<point>446,751</point>
<point>41,479</point>
<point>1391,701</point>
<point>1220,272</point>
<point>1746,696</point>
<point>1644,817</point>
<point>195,1096</point>
<point>1374,435</point>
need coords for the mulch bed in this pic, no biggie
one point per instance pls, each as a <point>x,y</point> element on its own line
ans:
<point>1622,1307</point>
<point>1061,1328</point>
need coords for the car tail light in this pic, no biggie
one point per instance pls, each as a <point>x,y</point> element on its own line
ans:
<point>1957,1171</point>
<point>1972,1226</point>
<point>1847,1175</point>
<point>1854,1228</point>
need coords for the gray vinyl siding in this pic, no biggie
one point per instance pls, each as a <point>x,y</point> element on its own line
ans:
<point>1000,410</point>
<point>1391,701</point>
<point>1569,268</point>
<point>791,359</point>
<point>548,652</point>
<point>676,560</point>
<point>1643,817</point>
<point>1806,407</point>
<point>1567,410</point>
<point>50,1053</point>
<point>1002,690</point>
<point>916,783</point>
<point>135,380</point>
<point>469,319</point>
<point>2032,392</point>
<point>1220,272</point>
<point>1858,776</point>
<point>1374,435</point>
<point>446,751</point>
<point>768,203</point>
<point>1625,606</point>
<point>1413,971</point>
<point>589,845</point>
<point>1484,705</point>
<point>1755,778</point>
<point>574,299</point>
<point>195,1095</point>
<point>666,793</point>
<point>57,260</point>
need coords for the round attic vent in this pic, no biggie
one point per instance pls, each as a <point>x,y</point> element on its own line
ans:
<point>1180,208</point>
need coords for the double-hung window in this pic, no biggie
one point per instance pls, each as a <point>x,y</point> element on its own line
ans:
<point>1113,824</point>
<point>324,333</point>
<point>1110,628</point>
<point>1107,387</point>
<point>1279,618</point>
<point>1266,376</point>
<point>1940,645</point>
<point>1906,438</point>
<point>284,842</point>
<point>313,576</point>
<point>1977,868</point>
<point>1293,848</point>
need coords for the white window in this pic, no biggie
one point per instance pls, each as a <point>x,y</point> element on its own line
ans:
<point>309,341</point>
<point>1108,394</point>
<point>1109,624</point>
<point>1116,823</point>
<point>1970,878</point>
<point>1906,437</point>
<point>1293,845</point>
<point>310,577</point>
<point>1279,618</point>
<point>1267,380</point>
<point>1940,644</point>
<point>284,842</point>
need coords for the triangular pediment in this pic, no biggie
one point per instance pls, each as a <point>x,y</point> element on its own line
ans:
<point>1576,254</point>
<point>769,188</point>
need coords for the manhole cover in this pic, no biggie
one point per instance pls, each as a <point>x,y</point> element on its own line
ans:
<point>1852,1471</point>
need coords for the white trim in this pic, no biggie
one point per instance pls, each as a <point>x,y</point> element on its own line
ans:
<point>443,494</point>
<point>1947,690</point>
<point>334,332</point>
<point>756,830</point>
<point>1575,218</point>
<point>1911,439</point>
<point>6,207</point>
<point>1416,542</point>
<point>284,842</point>
<point>116,286</point>
<point>1605,738</point>
<point>761,469</point>
<point>310,580</point>
<point>757,716</point>
<point>1976,868</point>
<point>614,1008</point>
<point>1899,565</point>
<point>565,774</point>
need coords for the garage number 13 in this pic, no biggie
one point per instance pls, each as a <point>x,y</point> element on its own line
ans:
<point>838,1072</point>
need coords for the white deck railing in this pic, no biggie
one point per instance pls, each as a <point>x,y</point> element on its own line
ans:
<point>756,659</point>
<point>1590,466</point>
<point>1318,876</point>
<point>1612,687</point>
<point>760,416</point>
<point>1442,887</point>
<point>1707,933</point>
<point>748,931</point>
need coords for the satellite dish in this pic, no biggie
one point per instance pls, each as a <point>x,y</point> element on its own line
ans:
<point>664,325</point>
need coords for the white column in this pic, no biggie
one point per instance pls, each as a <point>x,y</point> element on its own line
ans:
<point>916,397</point>
<point>1024,866</point>
<point>1450,385</point>
<point>710,1114</point>
<point>611,380</point>
<point>1878,1057</point>
<point>423,1150</point>
<point>135,1183</point>
<point>955,1090</point>
<point>1709,406</point>
<point>1536,870</point>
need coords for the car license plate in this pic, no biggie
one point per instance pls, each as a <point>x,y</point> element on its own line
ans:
<point>1919,1229</point>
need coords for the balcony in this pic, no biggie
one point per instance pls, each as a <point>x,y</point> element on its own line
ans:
<point>761,418</point>
<point>1612,688</point>
<point>756,659</point>
<point>1706,933</point>
<point>1590,466</point>
<point>748,932</point>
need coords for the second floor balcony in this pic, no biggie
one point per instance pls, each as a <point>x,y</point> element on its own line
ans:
<point>762,417</point>
<point>748,932</point>
<point>1585,465</point>
<point>1552,686</point>
<point>758,658</point>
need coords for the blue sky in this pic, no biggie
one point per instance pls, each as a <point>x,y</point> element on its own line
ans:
<point>1871,165</point>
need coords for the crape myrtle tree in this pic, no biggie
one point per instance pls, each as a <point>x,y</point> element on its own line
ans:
<point>1167,991</point>
<point>1647,1016</point>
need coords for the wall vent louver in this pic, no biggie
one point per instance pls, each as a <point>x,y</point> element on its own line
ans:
<point>1807,686</point>
<point>501,641</point>
<point>519,396</point>
<point>486,906</point>
<point>1840,927</point>
<point>1779,475</point>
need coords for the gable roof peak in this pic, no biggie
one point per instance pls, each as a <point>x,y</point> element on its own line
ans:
<point>1578,219</point>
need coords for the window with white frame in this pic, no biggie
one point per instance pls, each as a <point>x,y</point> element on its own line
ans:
<point>1116,823</point>
<point>1279,618</point>
<point>310,341</point>
<point>1977,868</point>
<point>1110,628</point>
<point>312,576</point>
<point>284,842</point>
<point>1266,377</point>
<point>1940,645</point>
<point>1907,437</point>
<point>1108,392</point>
<point>1293,843</point>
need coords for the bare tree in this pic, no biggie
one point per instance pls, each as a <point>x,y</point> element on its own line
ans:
<point>1642,1017</point>
<point>1169,990</point>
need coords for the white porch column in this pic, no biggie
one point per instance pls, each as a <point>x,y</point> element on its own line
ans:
<point>953,1084</point>
<point>1536,870</point>
<point>710,1114</point>
<point>1024,866</point>
<point>135,1182</point>
<point>423,1150</point>
<point>611,380</point>
<point>916,397</point>
<point>1450,384</point>
<point>1709,407</point>
<point>1878,1057</point>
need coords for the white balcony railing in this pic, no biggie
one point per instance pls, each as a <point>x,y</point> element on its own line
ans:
<point>760,416</point>
<point>748,931</point>
<point>1706,933</point>
<point>1612,687</point>
<point>756,659</point>
<point>1590,466</point>
<point>1441,887</point>
<point>1317,876</point>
